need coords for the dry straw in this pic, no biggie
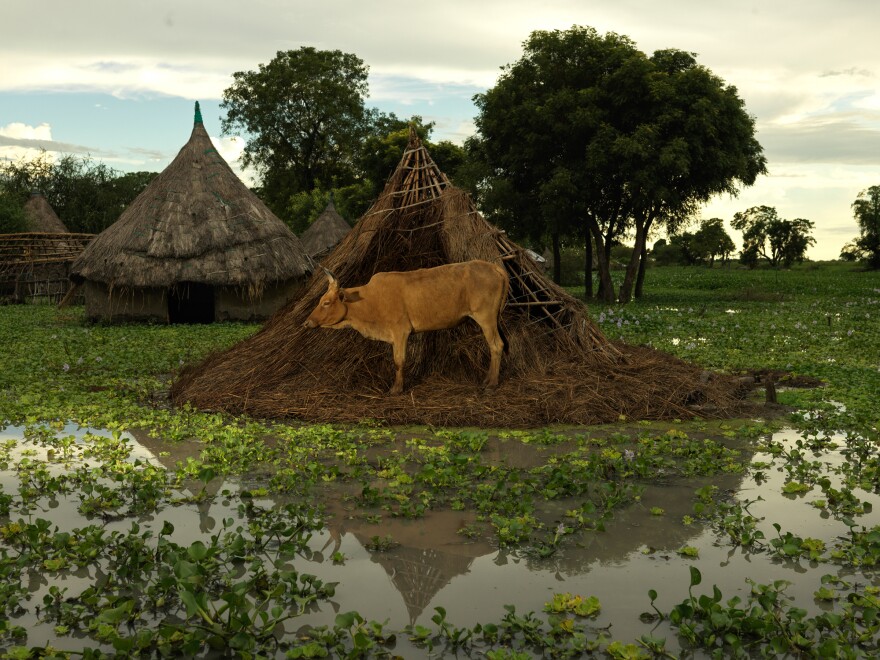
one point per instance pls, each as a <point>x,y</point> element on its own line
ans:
<point>325,233</point>
<point>41,217</point>
<point>560,367</point>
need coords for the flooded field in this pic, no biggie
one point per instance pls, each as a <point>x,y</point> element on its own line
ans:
<point>110,519</point>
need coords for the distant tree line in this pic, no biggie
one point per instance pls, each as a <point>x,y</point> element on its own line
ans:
<point>766,236</point>
<point>87,195</point>
<point>709,243</point>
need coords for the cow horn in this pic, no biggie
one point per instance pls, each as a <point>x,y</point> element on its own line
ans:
<point>329,274</point>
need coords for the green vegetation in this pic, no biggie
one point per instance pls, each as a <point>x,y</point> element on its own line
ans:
<point>781,242</point>
<point>866,210</point>
<point>584,138</point>
<point>87,195</point>
<point>820,321</point>
<point>241,586</point>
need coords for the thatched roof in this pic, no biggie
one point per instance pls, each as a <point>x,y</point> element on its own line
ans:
<point>195,222</point>
<point>325,232</point>
<point>41,217</point>
<point>560,367</point>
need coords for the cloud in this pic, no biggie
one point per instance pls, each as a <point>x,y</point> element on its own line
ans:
<point>841,140</point>
<point>18,140</point>
<point>850,72</point>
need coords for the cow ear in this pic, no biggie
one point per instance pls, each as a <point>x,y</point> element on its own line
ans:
<point>341,294</point>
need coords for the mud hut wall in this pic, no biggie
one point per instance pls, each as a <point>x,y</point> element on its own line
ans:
<point>234,304</point>
<point>124,304</point>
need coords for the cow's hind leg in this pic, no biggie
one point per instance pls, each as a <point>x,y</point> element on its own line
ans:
<point>489,327</point>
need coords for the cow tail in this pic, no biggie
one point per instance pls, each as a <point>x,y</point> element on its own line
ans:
<point>501,331</point>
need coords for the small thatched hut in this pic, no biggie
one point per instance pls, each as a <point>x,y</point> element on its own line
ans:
<point>35,264</point>
<point>325,232</point>
<point>195,246</point>
<point>560,367</point>
<point>41,217</point>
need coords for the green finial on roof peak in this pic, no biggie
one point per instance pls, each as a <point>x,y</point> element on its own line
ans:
<point>198,119</point>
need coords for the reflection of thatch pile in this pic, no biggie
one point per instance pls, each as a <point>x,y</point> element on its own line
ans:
<point>560,367</point>
<point>419,574</point>
<point>196,246</point>
<point>324,233</point>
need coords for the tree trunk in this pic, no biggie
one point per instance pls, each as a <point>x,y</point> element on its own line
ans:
<point>588,264</point>
<point>640,278</point>
<point>632,268</point>
<point>606,286</point>
<point>604,245</point>
<point>557,261</point>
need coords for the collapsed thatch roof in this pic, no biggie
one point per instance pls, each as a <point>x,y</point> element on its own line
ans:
<point>195,222</point>
<point>325,232</point>
<point>560,367</point>
<point>41,217</point>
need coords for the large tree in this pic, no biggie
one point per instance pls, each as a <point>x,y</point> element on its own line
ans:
<point>588,136</point>
<point>866,210</point>
<point>544,128</point>
<point>303,117</point>
<point>696,141</point>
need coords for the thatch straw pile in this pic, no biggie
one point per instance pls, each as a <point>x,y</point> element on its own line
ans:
<point>195,222</point>
<point>41,217</point>
<point>560,367</point>
<point>325,233</point>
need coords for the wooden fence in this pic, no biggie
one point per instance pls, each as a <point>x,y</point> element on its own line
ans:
<point>35,266</point>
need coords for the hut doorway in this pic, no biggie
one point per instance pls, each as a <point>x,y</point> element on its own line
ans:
<point>191,302</point>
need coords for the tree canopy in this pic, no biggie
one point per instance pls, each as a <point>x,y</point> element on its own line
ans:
<point>308,131</point>
<point>781,242</point>
<point>866,209</point>
<point>87,195</point>
<point>587,136</point>
<point>303,117</point>
<point>710,242</point>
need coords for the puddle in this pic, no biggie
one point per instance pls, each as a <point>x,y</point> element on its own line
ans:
<point>435,565</point>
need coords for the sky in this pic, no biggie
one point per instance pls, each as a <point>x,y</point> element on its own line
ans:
<point>117,79</point>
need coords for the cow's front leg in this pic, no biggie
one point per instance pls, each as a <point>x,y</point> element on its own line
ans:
<point>399,346</point>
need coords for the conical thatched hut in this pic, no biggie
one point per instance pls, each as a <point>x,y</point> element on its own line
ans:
<point>35,264</point>
<point>41,217</point>
<point>560,367</point>
<point>195,246</point>
<point>325,232</point>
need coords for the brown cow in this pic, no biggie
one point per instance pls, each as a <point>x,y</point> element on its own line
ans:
<point>393,305</point>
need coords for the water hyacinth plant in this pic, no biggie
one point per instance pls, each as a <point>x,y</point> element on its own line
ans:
<point>128,527</point>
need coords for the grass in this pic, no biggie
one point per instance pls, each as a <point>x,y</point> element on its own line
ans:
<point>819,321</point>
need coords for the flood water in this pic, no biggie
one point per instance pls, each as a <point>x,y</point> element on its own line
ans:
<point>436,566</point>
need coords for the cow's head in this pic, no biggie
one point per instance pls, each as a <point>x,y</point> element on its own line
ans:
<point>331,307</point>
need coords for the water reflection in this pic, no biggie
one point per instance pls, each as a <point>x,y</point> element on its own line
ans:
<point>434,564</point>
